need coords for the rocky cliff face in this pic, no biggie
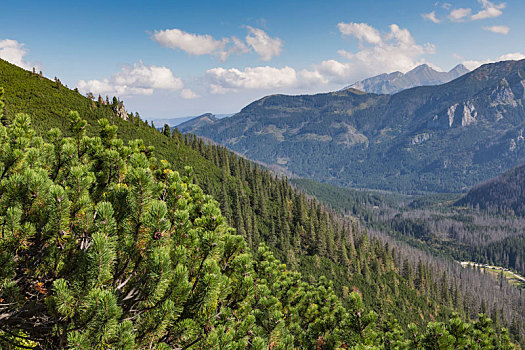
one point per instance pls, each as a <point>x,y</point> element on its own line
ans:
<point>120,110</point>
<point>457,115</point>
<point>503,94</point>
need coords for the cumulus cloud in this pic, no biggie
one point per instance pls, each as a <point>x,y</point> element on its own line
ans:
<point>378,52</point>
<point>307,78</point>
<point>196,44</point>
<point>138,79</point>
<point>361,31</point>
<point>13,52</point>
<point>489,10</point>
<point>334,70</point>
<point>389,51</point>
<point>459,15</point>
<point>431,16</point>
<point>473,64</point>
<point>515,56</point>
<point>188,94</point>
<point>262,44</point>
<point>224,80</point>
<point>498,29</point>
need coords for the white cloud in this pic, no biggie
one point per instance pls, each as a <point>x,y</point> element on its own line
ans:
<point>216,89</point>
<point>311,78</point>
<point>391,51</point>
<point>489,10</point>
<point>459,15</point>
<point>515,56</point>
<point>473,64</point>
<point>194,44</point>
<point>262,44</point>
<point>138,79</point>
<point>361,31</point>
<point>223,80</point>
<point>239,47</point>
<point>335,71</point>
<point>498,29</point>
<point>378,52</point>
<point>188,94</point>
<point>13,52</point>
<point>431,16</point>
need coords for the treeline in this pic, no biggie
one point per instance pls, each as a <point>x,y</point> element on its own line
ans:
<point>509,253</point>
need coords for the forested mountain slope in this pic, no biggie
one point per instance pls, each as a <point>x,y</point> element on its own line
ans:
<point>503,194</point>
<point>439,223</point>
<point>444,138</point>
<point>412,286</point>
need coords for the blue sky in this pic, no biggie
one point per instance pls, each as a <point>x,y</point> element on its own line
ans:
<point>178,58</point>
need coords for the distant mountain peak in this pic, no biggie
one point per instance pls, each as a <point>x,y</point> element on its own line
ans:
<point>197,122</point>
<point>460,69</point>
<point>421,67</point>
<point>419,76</point>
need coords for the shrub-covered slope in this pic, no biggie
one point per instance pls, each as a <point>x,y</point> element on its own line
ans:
<point>104,246</point>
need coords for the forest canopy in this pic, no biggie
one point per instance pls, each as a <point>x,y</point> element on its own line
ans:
<point>105,246</point>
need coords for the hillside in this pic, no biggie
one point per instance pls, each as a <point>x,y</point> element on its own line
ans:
<point>263,209</point>
<point>391,83</point>
<point>504,194</point>
<point>444,138</point>
<point>198,122</point>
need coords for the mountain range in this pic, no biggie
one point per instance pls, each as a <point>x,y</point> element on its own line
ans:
<point>443,138</point>
<point>173,122</point>
<point>390,83</point>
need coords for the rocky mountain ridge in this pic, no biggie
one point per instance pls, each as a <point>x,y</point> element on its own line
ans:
<point>442,138</point>
<point>422,75</point>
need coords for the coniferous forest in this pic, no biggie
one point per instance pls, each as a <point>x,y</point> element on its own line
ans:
<point>116,235</point>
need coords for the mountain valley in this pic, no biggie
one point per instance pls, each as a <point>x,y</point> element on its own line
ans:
<point>371,274</point>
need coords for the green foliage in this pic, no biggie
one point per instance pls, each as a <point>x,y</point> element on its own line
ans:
<point>116,249</point>
<point>138,256</point>
<point>503,194</point>
<point>3,119</point>
<point>434,223</point>
<point>107,254</point>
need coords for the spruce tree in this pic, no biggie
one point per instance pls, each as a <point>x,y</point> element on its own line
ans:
<point>3,117</point>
